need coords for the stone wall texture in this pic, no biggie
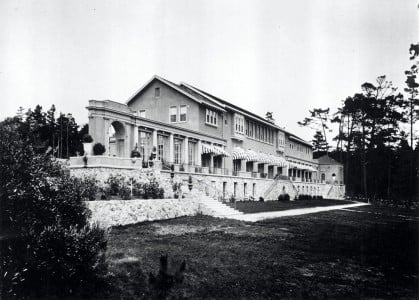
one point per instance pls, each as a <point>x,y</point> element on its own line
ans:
<point>213,185</point>
<point>123,212</point>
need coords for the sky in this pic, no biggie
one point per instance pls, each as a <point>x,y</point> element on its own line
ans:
<point>282,56</point>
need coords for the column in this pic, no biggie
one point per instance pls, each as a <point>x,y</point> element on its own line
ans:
<point>186,150</point>
<point>198,153</point>
<point>243,165</point>
<point>127,140</point>
<point>171,149</point>
<point>255,166</point>
<point>265,169</point>
<point>106,144</point>
<point>302,175</point>
<point>211,161</point>
<point>154,137</point>
<point>135,136</point>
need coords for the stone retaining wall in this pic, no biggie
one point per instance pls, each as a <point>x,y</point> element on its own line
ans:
<point>123,212</point>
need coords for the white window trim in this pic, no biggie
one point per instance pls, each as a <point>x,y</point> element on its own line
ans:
<point>186,113</point>
<point>214,115</point>
<point>170,114</point>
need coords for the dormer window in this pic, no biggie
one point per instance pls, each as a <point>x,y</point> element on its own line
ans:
<point>157,92</point>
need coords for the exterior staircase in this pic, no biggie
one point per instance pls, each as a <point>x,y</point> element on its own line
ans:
<point>213,207</point>
<point>217,209</point>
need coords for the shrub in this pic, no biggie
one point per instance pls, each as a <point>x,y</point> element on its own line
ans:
<point>125,192</point>
<point>153,190</point>
<point>87,138</point>
<point>90,188</point>
<point>98,149</point>
<point>50,249</point>
<point>232,199</point>
<point>114,182</point>
<point>284,197</point>
<point>163,282</point>
<point>135,153</point>
<point>261,199</point>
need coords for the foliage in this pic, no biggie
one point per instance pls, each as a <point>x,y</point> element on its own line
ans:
<point>284,197</point>
<point>118,185</point>
<point>135,153</point>
<point>90,188</point>
<point>261,199</point>
<point>306,197</point>
<point>87,138</point>
<point>165,280</point>
<point>319,120</point>
<point>48,247</point>
<point>47,133</point>
<point>98,149</point>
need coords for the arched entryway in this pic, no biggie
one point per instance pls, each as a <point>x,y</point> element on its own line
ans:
<point>116,139</point>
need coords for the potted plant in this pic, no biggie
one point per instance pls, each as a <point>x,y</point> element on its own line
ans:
<point>87,144</point>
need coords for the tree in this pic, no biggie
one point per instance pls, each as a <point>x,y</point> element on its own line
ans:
<point>319,121</point>
<point>413,101</point>
<point>48,248</point>
<point>319,144</point>
<point>269,117</point>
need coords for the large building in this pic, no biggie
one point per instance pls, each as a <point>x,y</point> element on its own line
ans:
<point>200,133</point>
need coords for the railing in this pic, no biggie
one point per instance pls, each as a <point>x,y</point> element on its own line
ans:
<point>255,174</point>
<point>263,175</point>
<point>235,173</point>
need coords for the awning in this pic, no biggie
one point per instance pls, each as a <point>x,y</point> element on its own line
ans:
<point>211,149</point>
<point>252,155</point>
<point>295,165</point>
<point>278,161</point>
<point>239,153</point>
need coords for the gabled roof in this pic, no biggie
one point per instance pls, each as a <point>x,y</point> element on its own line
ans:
<point>327,160</point>
<point>175,87</point>
<point>230,106</point>
<point>211,101</point>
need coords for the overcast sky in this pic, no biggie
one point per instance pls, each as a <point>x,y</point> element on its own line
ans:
<point>280,56</point>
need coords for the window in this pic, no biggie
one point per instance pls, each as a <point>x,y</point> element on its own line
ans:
<point>191,153</point>
<point>160,147</point>
<point>239,124</point>
<point>144,143</point>
<point>178,151</point>
<point>157,92</point>
<point>142,113</point>
<point>211,117</point>
<point>182,114</point>
<point>247,127</point>
<point>173,114</point>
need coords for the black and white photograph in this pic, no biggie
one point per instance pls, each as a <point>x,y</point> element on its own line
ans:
<point>209,149</point>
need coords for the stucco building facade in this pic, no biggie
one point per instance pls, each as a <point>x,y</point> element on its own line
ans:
<point>199,133</point>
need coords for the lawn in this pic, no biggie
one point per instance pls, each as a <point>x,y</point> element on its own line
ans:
<point>249,207</point>
<point>366,252</point>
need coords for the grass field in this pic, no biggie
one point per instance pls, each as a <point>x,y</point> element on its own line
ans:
<point>249,207</point>
<point>369,252</point>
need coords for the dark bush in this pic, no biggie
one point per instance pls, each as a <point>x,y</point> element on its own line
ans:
<point>153,190</point>
<point>261,199</point>
<point>114,182</point>
<point>98,149</point>
<point>90,188</point>
<point>87,138</point>
<point>125,192</point>
<point>284,197</point>
<point>48,248</point>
